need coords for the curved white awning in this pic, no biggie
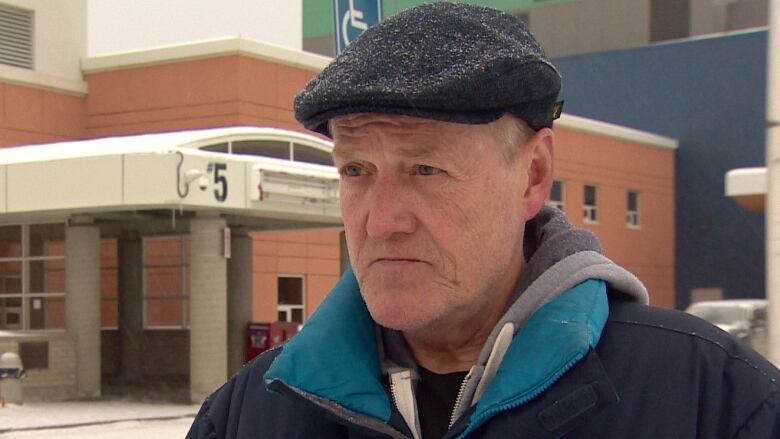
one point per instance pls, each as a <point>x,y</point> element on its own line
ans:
<point>169,171</point>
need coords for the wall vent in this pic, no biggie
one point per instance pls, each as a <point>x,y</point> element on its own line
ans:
<point>16,37</point>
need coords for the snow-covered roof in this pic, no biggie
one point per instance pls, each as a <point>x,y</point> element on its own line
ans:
<point>169,170</point>
<point>151,143</point>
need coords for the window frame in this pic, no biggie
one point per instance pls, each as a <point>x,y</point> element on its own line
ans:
<point>26,295</point>
<point>633,217</point>
<point>589,209</point>
<point>292,145</point>
<point>287,308</point>
<point>558,204</point>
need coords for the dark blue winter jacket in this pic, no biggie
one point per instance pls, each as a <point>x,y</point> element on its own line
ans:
<point>583,360</point>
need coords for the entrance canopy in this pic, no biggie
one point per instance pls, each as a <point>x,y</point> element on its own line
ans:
<point>248,172</point>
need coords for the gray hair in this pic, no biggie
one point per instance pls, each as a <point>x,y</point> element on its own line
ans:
<point>511,134</point>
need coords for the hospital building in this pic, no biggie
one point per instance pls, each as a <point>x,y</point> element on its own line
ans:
<point>154,202</point>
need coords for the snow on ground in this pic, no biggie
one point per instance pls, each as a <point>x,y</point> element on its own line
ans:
<point>173,428</point>
<point>14,418</point>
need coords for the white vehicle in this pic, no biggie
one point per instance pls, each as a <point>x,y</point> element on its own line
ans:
<point>739,317</point>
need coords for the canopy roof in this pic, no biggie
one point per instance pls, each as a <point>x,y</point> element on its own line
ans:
<point>221,170</point>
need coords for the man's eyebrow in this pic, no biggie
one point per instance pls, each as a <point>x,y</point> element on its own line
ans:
<point>410,151</point>
<point>339,151</point>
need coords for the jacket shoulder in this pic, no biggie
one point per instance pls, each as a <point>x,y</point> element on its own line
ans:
<point>245,407</point>
<point>219,415</point>
<point>658,325</point>
<point>686,369</point>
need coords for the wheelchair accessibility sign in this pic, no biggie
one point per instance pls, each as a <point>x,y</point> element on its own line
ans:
<point>352,17</point>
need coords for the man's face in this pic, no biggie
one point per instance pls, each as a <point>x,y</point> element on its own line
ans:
<point>434,217</point>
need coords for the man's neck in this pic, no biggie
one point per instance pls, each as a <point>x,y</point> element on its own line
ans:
<point>453,343</point>
<point>443,359</point>
<point>453,348</point>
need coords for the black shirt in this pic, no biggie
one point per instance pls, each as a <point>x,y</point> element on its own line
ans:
<point>436,395</point>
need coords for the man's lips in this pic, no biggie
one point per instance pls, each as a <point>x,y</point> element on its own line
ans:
<point>396,261</point>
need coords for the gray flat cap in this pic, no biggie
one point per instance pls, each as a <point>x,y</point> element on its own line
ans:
<point>445,61</point>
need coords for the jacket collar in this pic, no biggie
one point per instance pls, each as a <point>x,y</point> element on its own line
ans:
<point>335,356</point>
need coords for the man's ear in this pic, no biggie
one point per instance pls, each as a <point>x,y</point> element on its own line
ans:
<point>538,163</point>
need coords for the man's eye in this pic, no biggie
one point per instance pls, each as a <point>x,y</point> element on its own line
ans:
<point>352,171</point>
<point>427,170</point>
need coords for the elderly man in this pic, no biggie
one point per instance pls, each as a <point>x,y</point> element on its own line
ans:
<point>472,311</point>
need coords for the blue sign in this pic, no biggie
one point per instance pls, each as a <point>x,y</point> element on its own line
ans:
<point>352,17</point>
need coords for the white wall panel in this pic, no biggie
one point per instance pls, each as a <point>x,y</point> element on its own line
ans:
<point>64,184</point>
<point>151,178</point>
<point>124,25</point>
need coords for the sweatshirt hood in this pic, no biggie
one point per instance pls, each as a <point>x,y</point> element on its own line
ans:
<point>558,258</point>
<point>339,358</point>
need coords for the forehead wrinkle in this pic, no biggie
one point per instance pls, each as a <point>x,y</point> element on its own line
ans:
<point>409,146</point>
<point>359,120</point>
<point>412,137</point>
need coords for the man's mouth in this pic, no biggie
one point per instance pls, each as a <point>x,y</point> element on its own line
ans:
<point>396,260</point>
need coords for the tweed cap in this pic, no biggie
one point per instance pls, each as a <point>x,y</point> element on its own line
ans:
<point>445,61</point>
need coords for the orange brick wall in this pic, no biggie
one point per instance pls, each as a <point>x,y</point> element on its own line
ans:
<point>241,90</point>
<point>225,91</point>
<point>30,115</point>
<point>616,166</point>
<point>315,255</point>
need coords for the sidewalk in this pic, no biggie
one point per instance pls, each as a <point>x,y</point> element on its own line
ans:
<point>43,415</point>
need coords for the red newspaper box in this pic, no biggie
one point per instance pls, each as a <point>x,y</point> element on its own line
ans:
<point>257,339</point>
<point>281,332</point>
<point>263,336</point>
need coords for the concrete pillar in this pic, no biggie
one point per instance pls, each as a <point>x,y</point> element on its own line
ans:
<point>130,280</point>
<point>82,303</point>
<point>208,307</point>
<point>240,288</point>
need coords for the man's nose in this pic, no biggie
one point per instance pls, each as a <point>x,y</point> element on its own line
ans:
<point>390,211</point>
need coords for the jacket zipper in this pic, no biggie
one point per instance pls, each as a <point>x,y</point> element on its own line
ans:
<point>500,346</point>
<point>403,398</point>
<point>479,420</point>
<point>459,399</point>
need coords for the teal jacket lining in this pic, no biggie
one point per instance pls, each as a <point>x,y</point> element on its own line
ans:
<point>335,355</point>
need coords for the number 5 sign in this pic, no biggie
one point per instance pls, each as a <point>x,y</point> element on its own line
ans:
<point>352,17</point>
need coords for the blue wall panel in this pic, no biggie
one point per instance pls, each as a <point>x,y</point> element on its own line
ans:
<point>710,94</point>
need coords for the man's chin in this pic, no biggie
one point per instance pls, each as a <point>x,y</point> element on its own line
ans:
<point>414,317</point>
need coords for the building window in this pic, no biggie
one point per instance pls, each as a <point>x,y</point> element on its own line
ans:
<point>556,195</point>
<point>166,284</point>
<point>278,149</point>
<point>591,210</point>
<point>308,154</point>
<point>16,37</point>
<point>632,213</point>
<point>32,277</point>
<point>291,295</point>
